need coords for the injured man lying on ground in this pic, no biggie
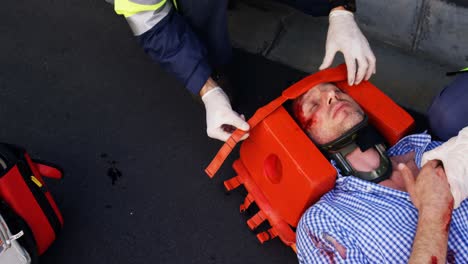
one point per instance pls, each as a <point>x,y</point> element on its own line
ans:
<point>388,206</point>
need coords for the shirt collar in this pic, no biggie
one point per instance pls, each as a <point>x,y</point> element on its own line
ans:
<point>351,183</point>
<point>417,143</point>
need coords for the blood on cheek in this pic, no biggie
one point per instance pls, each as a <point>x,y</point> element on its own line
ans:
<point>310,122</point>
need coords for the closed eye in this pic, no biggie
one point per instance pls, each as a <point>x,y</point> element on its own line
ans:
<point>310,107</point>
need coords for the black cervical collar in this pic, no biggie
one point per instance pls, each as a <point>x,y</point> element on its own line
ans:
<point>364,137</point>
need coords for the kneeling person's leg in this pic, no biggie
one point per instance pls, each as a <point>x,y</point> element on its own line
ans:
<point>448,112</point>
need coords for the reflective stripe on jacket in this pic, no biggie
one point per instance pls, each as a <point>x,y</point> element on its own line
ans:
<point>142,15</point>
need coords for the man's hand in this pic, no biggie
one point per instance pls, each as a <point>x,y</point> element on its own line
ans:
<point>430,194</point>
<point>430,191</point>
<point>221,120</point>
<point>344,35</point>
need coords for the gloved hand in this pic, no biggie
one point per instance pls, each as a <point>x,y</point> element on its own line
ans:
<point>344,35</point>
<point>221,120</point>
<point>454,157</point>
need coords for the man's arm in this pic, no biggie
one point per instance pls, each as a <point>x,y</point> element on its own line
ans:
<point>430,242</point>
<point>430,194</point>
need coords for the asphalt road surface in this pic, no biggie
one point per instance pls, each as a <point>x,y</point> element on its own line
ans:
<point>77,90</point>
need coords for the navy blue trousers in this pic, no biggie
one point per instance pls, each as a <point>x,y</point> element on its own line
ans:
<point>448,113</point>
<point>208,18</point>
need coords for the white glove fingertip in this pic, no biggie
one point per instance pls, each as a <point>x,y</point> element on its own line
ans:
<point>244,137</point>
<point>328,59</point>
<point>245,126</point>
<point>351,67</point>
<point>371,70</point>
<point>238,122</point>
<point>362,69</point>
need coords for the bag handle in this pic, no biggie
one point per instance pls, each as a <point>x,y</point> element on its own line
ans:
<point>48,170</point>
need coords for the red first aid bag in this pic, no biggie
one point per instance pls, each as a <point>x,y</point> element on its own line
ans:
<point>23,189</point>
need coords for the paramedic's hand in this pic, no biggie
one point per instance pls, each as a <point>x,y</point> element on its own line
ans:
<point>221,120</point>
<point>453,155</point>
<point>344,35</point>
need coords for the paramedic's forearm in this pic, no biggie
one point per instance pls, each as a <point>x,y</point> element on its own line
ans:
<point>338,8</point>
<point>430,242</point>
<point>177,49</point>
<point>209,84</point>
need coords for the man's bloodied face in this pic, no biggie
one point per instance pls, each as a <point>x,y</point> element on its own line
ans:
<point>326,112</point>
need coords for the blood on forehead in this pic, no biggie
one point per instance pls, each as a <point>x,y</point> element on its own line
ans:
<point>299,113</point>
<point>298,110</point>
<point>298,107</point>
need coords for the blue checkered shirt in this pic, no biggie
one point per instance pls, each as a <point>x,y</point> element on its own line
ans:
<point>374,223</point>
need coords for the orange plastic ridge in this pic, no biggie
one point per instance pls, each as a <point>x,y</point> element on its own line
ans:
<point>249,199</point>
<point>266,213</point>
<point>232,183</point>
<point>256,220</point>
<point>267,235</point>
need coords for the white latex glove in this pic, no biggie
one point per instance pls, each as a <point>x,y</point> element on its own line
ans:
<point>344,35</point>
<point>454,156</point>
<point>221,120</point>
